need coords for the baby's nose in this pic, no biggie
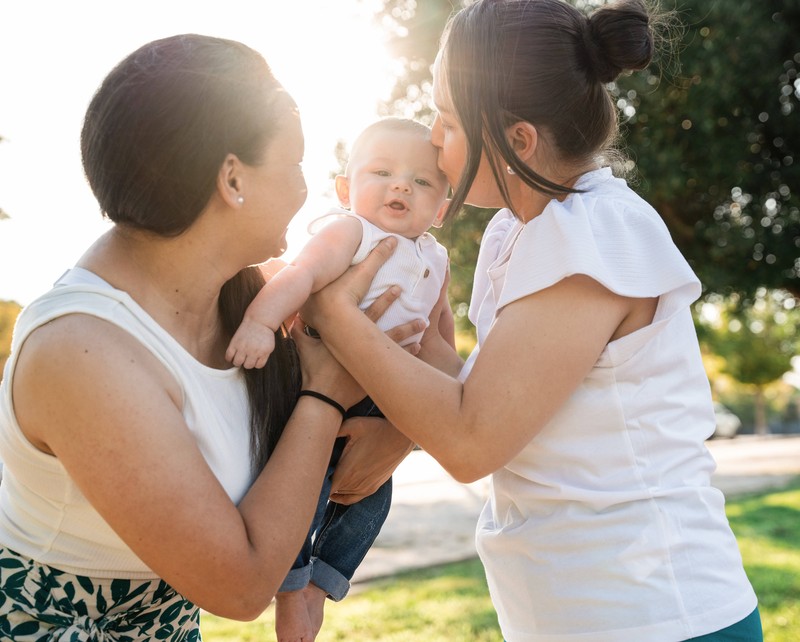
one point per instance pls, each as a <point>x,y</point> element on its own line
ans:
<point>402,185</point>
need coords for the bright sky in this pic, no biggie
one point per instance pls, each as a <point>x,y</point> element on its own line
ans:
<point>54,54</point>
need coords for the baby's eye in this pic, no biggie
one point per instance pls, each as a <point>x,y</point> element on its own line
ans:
<point>382,172</point>
<point>423,182</point>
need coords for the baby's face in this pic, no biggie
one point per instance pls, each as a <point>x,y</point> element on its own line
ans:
<point>396,184</point>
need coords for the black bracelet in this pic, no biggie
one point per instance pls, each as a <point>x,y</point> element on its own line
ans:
<point>321,397</point>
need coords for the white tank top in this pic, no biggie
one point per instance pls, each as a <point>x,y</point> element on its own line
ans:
<point>605,527</point>
<point>43,514</point>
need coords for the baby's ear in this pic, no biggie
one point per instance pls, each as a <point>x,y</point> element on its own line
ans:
<point>342,186</point>
<point>439,220</point>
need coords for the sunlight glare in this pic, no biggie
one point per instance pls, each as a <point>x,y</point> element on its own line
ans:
<point>331,56</point>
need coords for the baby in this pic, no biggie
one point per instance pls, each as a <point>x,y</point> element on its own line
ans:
<point>392,187</point>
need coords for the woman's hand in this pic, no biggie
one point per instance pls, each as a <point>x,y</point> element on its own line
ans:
<point>321,372</point>
<point>373,451</point>
<point>349,289</point>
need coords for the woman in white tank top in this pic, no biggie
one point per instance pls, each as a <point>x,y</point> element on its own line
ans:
<point>144,476</point>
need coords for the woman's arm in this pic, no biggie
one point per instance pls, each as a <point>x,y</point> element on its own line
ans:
<point>374,447</point>
<point>539,350</point>
<point>89,393</point>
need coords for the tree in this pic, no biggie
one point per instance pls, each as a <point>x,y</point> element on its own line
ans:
<point>757,340</point>
<point>716,145</point>
<point>414,30</point>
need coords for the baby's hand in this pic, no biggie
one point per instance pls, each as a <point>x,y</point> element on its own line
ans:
<point>251,345</point>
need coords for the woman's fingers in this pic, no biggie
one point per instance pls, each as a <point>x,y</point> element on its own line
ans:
<point>374,449</point>
<point>382,303</point>
<point>400,333</point>
<point>358,278</point>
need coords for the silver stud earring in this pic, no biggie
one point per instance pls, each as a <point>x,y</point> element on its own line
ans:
<point>240,200</point>
<point>509,170</point>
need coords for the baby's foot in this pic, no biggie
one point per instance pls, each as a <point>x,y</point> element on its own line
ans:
<point>292,622</point>
<point>315,606</point>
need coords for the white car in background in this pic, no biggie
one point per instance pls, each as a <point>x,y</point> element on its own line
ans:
<point>728,424</point>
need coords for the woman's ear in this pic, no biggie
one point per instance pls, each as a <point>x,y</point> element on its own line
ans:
<point>230,183</point>
<point>523,138</point>
<point>342,186</point>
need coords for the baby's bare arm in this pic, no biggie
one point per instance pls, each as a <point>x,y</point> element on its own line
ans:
<point>324,258</point>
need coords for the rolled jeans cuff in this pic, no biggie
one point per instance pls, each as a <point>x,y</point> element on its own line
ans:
<point>296,579</point>
<point>329,580</point>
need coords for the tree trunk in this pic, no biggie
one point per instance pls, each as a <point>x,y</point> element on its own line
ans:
<point>761,425</point>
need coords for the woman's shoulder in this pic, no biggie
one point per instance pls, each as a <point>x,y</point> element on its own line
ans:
<point>82,306</point>
<point>607,232</point>
<point>607,213</point>
<point>78,335</point>
<point>603,192</point>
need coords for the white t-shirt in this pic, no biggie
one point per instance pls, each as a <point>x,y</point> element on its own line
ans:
<point>418,266</point>
<point>43,514</point>
<point>605,527</point>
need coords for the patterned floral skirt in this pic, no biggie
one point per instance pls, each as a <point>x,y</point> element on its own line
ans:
<point>42,604</point>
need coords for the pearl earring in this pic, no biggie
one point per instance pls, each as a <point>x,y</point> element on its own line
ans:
<point>240,200</point>
<point>509,170</point>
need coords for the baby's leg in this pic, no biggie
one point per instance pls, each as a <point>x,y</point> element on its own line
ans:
<point>292,619</point>
<point>315,606</point>
<point>347,532</point>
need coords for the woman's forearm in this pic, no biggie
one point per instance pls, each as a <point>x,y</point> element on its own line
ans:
<point>423,402</point>
<point>283,489</point>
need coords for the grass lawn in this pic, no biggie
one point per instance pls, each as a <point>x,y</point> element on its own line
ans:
<point>451,603</point>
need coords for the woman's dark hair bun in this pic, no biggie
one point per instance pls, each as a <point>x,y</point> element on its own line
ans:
<point>617,38</point>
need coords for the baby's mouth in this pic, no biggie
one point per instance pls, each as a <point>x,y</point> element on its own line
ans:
<point>397,206</point>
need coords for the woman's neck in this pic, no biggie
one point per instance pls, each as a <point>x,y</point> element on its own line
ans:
<point>172,279</point>
<point>528,203</point>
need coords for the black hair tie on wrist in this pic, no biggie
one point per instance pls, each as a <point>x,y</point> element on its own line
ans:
<point>321,397</point>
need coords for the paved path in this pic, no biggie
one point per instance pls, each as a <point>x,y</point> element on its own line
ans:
<point>433,517</point>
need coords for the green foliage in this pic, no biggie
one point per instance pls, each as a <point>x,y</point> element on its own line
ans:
<point>462,237</point>
<point>9,310</point>
<point>758,340</point>
<point>414,30</point>
<point>716,145</point>
<point>767,528</point>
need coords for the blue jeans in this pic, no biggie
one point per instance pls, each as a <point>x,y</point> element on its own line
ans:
<point>340,535</point>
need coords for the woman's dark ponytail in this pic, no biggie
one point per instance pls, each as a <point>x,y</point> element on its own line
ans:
<point>273,389</point>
